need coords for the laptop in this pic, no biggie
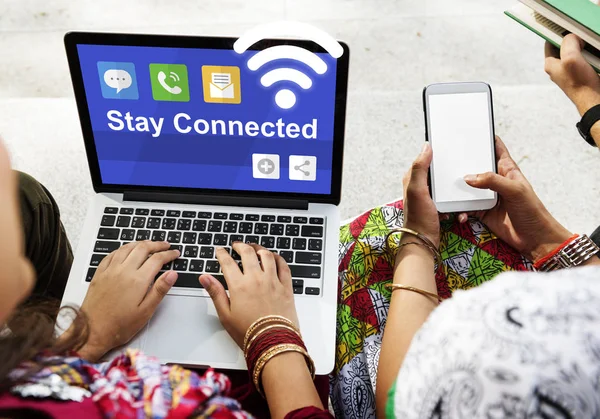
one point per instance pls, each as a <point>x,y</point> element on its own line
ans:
<point>186,144</point>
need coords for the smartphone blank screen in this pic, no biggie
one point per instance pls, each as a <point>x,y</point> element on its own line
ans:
<point>460,130</point>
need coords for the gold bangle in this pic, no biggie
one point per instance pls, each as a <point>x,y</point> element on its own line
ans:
<point>264,329</point>
<point>265,320</point>
<point>272,353</point>
<point>426,243</point>
<point>395,287</point>
<point>285,347</point>
<point>276,350</point>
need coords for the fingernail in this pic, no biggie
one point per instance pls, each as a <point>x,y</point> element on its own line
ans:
<point>470,178</point>
<point>424,148</point>
<point>462,218</point>
<point>171,278</point>
<point>219,248</point>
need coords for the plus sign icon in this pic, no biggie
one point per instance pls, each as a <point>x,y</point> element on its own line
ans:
<point>265,166</point>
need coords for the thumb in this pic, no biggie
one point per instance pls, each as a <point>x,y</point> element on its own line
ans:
<point>571,47</point>
<point>420,167</point>
<point>160,288</point>
<point>217,294</point>
<point>493,181</point>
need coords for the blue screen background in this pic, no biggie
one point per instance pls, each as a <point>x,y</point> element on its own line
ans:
<point>207,161</point>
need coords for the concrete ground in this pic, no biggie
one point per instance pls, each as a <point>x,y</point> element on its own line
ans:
<point>398,47</point>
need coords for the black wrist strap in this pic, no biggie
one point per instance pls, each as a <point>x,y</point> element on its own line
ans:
<point>587,122</point>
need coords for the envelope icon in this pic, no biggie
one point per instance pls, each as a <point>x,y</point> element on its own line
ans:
<point>216,92</point>
<point>221,84</point>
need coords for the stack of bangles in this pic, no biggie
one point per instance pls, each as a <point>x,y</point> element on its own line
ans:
<point>424,242</point>
<point>268,337</point>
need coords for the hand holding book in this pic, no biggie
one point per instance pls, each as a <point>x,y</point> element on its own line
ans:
<point>555,19</point>
<point>572,73</point>
<point>574,27</point>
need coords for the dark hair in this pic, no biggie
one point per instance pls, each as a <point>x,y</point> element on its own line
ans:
<point>31,330</point>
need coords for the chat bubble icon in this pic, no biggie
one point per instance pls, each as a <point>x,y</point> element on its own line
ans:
<point>117,79</point>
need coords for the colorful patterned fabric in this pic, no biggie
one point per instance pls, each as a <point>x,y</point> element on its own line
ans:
<point>134,385</point>
<point>471,255</point>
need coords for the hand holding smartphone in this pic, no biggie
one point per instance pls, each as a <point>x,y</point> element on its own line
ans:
<point>459,125</point>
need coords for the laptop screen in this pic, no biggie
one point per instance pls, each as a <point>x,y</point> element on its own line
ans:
<point>200,118</point>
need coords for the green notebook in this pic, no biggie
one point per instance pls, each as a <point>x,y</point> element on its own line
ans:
<point>554,19</point>
<point>584,12</point>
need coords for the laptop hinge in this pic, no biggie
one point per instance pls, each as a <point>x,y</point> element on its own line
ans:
<point>230,201</point>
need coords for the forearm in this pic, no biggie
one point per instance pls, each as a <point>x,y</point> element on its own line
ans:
<point>408,311</point>
<point>553,236</point>
<point>585,99</point>
<point>288,385</point>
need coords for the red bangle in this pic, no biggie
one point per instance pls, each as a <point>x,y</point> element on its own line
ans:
<point>268,339</point>
<point>553,253</point>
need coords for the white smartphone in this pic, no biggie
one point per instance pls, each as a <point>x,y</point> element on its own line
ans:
<point>459,125</point>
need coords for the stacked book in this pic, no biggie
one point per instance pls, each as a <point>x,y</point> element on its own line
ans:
<point>554,19</point>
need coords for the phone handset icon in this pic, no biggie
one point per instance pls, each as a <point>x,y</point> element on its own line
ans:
<point>162,77</point>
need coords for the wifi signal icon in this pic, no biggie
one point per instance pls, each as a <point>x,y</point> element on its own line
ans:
<point>286,98</point>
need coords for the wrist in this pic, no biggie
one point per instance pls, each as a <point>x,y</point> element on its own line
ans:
<point>433,236</point>
<point>268,340</point>
<point>93,349</point>
<point>554,236</point>
<point>285,364</point>
<point>584,105</point>
<point>594,260</point>
<point>91,352</point>
<point>420,249</point>
<point>574,251</point>
<point>585,100</point>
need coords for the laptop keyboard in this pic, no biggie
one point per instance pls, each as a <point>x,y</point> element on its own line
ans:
<point>298,239</point>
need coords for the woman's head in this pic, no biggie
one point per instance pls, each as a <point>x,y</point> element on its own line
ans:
<point>25,328</point>
<point>17,276</point>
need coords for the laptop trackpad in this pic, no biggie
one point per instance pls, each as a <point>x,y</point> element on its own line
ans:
<point>186,330</point>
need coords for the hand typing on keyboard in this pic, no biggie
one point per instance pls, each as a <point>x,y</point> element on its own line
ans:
<point>299,240</point>
<point>264,288</point>
<point>120,301</point>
